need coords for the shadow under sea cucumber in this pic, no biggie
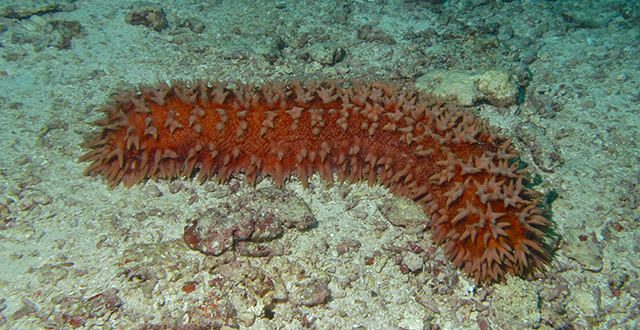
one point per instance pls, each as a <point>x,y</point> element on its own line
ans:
<point>465,177</point>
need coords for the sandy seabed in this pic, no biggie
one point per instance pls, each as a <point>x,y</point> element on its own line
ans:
<point>75,254</point>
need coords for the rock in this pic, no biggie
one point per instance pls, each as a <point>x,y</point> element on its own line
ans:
<point>371,33</point>
<point>149,15</point>
<point>312,294</point>
<point>193,24</point>
<point>348,245</point>
<point>587,300</point>
<point>63,32</point>
<point>326,54</point>
<point>466,88</point>
<point>404,213</point>
<point>497,87</point>
<point>453,86</point>
<point>6,218</point>
<point>257,216</point>
<point>413,261</point>
<point>587,253</point>
<point>214,233</point>
<point>21,9</point>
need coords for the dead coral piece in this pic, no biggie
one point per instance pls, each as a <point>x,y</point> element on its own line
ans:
<point>63,33</point>
<point>258,216</point>
<point>26,9</point>
<point>404,213</point>
<point>496,87</point>
<point>6,218</point>
<point>374,34</point>
<point>348,245</point>
<point>75,312</point>
<point>233,298</point>
<point>148,15</point>
<point>312,294</point>
<point>216,312</point>
<point>587,253</point>
<point>148,269</point>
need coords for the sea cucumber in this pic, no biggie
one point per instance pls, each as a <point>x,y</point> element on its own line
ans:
<point>465,177</point>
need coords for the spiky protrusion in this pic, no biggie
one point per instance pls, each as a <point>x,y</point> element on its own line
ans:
<point>448,161</point>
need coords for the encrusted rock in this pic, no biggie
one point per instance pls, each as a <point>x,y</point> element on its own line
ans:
<point>312,294</point>
<point>587,300</point>
<point>148,15</point>
<point>374,34</point>
<point>326,54</point>
<point>258,216</point>
<point>348,245</point>
<point>20,9</point>
<point>404,213</point>
<point>6,219</point>
<point>465,88</point>
<point>587,253</point>
<point>413,261</point>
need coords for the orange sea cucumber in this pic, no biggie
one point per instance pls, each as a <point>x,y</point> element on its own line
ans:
<point>463,175</point>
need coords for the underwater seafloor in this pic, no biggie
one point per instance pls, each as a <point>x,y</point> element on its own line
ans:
<point>76,254</point>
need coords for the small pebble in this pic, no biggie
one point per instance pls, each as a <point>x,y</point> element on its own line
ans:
<point>413,262</point>
<point>315,294</point>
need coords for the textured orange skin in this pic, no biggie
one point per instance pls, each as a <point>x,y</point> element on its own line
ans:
<point>448,161</point>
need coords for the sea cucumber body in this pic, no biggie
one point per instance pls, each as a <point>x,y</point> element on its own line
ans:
<point>463,175</point>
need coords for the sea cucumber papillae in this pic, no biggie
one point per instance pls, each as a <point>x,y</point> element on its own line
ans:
<point>453,165</point>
